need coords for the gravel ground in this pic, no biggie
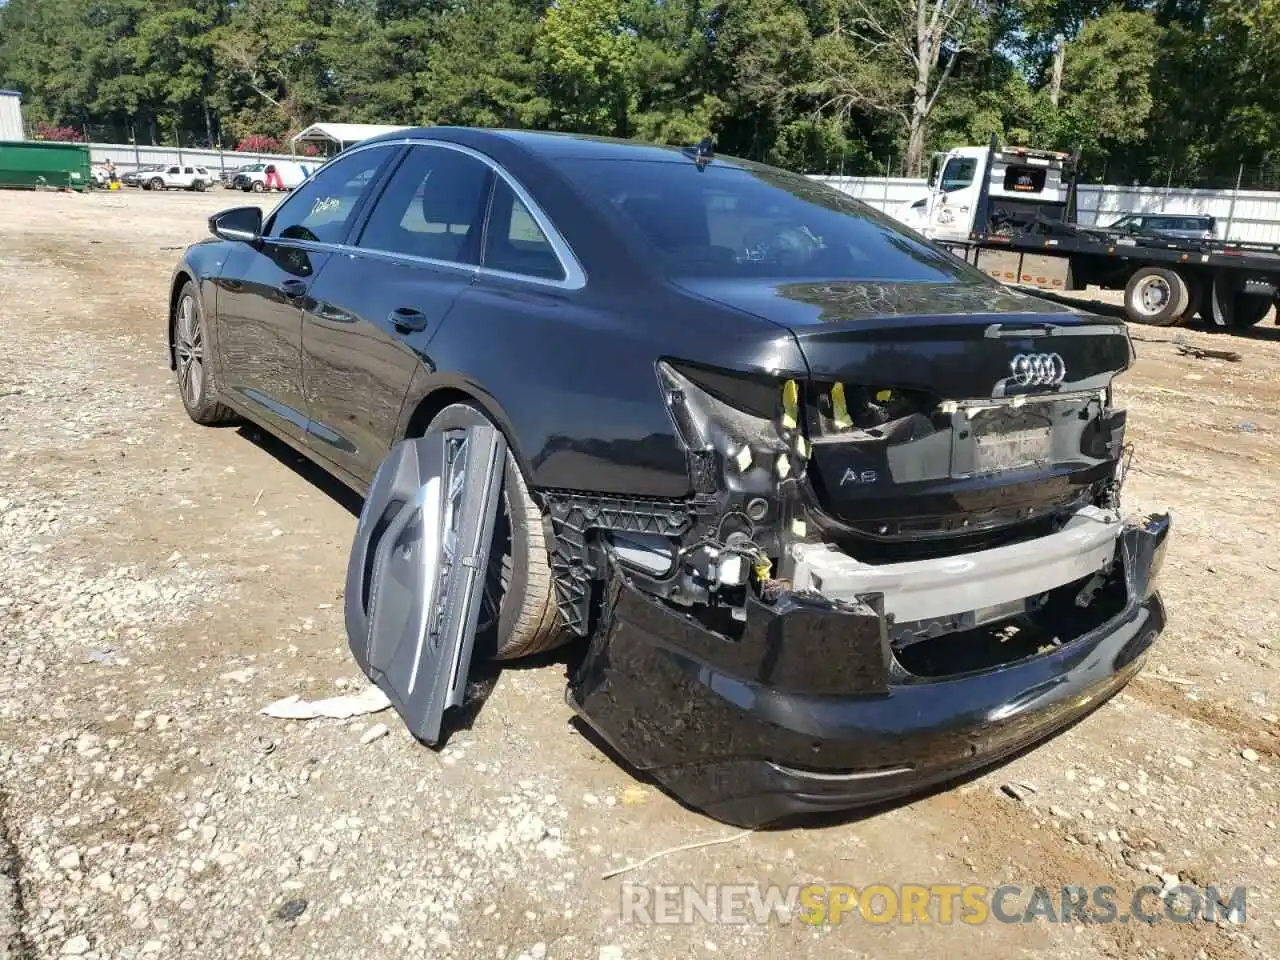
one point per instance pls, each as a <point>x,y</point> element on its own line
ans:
<point>160,583</point>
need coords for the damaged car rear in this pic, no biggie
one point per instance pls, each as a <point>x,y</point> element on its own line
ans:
<point>835,517</point>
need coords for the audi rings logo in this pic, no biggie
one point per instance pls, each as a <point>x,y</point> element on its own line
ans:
<point>1038,369</point>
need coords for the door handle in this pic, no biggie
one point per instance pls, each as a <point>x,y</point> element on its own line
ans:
<point>294,289</point>
<point>408,320</point>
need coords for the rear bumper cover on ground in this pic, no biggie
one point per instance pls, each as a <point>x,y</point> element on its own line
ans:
<point>810,710</point>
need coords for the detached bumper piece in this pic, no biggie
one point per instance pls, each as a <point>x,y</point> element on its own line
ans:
<point>417,567</point>
<point>823,703</point>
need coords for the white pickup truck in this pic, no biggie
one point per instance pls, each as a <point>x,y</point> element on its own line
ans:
<point>178,178</point>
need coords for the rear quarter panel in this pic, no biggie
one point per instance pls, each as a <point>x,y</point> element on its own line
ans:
<point>571,377</point>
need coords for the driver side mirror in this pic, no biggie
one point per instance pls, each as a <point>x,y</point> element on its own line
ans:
<point>243,224</point>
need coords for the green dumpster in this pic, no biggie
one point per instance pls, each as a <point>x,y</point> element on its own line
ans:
<point>37,163</point>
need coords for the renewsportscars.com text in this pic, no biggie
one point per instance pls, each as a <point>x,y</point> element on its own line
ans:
<point>970,904</point>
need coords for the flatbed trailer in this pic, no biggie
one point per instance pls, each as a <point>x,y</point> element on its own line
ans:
<point>1167,280</point>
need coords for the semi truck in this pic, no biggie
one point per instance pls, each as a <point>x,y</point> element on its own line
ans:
<point>1011,211</point>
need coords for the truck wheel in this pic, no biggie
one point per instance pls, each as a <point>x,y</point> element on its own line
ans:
<point>199,186</point>
<point>257,186</point>
<point>1232,307</point>
<point>157,184</point>
<point>1156,296</point>
<point>518,615</point>
<point>1197,298</point>
<point>1250,310</point>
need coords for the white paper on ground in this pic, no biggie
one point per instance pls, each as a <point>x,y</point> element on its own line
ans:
<point>369,700</point>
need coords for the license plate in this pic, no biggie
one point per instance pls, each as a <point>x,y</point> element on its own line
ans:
<point>1011,450</point>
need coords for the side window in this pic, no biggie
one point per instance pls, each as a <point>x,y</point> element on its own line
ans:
<point>514,242</point>
<point>172,170</point>
<point>433,207</point>
<point>958,173</point>
<point>188,169</point>
<point>321,209</point>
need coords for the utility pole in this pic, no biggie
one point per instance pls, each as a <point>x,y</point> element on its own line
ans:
<point>1059,53</point>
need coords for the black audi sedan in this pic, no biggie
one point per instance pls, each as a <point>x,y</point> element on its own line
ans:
<point>833,516</point>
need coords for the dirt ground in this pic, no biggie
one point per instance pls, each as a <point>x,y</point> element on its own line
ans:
<point>161,582</point>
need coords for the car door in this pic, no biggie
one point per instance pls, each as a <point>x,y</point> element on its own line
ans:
<point>376,306</point>
<point>952,214</point>
<point>263,288</point>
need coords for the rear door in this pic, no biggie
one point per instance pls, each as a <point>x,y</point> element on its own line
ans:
<point>376,307</point>
<point>263,290</point>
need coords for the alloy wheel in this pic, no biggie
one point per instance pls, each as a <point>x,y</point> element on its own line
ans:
<point>188,347</point>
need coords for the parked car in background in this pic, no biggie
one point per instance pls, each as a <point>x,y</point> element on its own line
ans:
<point>177,177</point>
<point>135,176</point>
<point>838,515</point>
<point>273,175</point>
<point>1183,226</point>
<point>228,177</point>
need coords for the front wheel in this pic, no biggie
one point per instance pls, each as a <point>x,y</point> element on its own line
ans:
<point>258,186</point>
<point>191,361</point>
<point>157,184</point>
<point>518,614</point>
<point>198,186</point>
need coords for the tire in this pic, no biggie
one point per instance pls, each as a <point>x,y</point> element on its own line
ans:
<point>157,184</point>
<point>257,186</point>
<point>191,364</point>
<point>1197,298</point>
<point>1251,309</point>
<point>519,579</point>
<point>1156,296</point>
<point>198,186</point>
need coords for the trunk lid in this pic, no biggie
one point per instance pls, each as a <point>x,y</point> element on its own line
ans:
<point>956,411</point>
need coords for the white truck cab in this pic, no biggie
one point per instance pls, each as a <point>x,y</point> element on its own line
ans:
<point>983,190</point>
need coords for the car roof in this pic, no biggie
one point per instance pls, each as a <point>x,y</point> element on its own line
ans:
<point>546,145</point>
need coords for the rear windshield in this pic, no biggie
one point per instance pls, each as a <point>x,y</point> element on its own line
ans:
<point>730,221</point>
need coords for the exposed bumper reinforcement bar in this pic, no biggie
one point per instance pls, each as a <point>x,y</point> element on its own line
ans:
<point>928,589</point>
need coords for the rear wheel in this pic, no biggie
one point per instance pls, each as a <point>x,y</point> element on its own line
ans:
<point>1156,296</point>
<point>1232,307</point>
<point>190,356</point>
<point>518,614</point>
<point>1251,309</point>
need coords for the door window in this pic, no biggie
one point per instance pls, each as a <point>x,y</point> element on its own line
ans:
<point>432,208</point>
<point>188,169</point>
<point>321,210</point>
<point>958,173</point>
<point>514,242</point>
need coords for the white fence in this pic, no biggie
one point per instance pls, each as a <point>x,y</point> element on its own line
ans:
<point>1255,216</point>
<point>126,156</point>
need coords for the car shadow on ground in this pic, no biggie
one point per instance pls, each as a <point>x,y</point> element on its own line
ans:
<point>315,475</point>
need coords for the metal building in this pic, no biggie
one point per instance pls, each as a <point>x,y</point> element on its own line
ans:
<point>11,127</point>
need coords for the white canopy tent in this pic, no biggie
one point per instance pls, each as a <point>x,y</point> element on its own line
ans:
<point>338,136</point>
